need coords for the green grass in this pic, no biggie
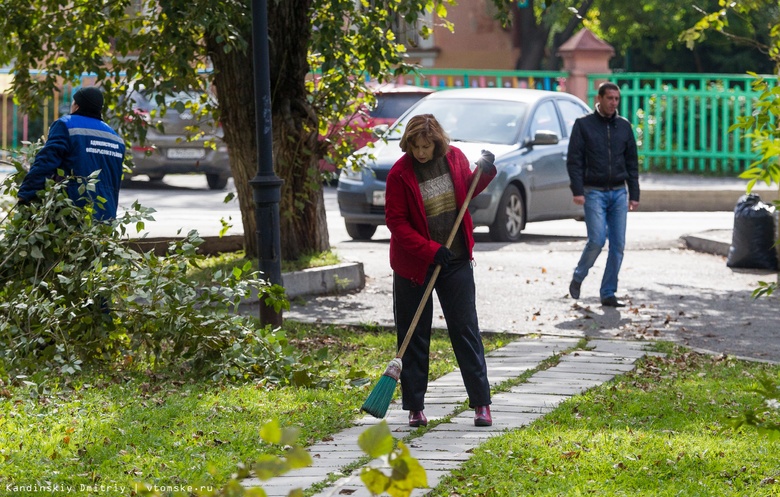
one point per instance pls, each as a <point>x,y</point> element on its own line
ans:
<point>227,261</point>
<point>658,431</point>
<point>160,428</point>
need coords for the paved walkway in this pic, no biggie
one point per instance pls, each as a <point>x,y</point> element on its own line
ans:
<point>446,446</point>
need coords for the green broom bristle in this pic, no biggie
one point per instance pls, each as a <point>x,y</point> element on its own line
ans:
<point>379,400</point>
<point>380,397</point>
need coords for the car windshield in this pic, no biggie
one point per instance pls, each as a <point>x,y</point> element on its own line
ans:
<point>392,105</point>
<point>148,101</point>
<point>488,121</point>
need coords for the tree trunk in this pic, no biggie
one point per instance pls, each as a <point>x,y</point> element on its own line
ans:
<point>295,130</point>
<point>530,37</point>
<point>233,70</point>
<point>303,224</point>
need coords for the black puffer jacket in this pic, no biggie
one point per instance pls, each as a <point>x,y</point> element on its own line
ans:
<point>602,153</point>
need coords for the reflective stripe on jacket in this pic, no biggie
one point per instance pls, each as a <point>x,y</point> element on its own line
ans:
<point>80,145</point>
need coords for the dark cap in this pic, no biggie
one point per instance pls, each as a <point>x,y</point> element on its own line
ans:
<point>90,101</point>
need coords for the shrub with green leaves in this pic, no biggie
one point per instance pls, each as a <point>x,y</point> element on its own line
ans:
<point>73,292</point>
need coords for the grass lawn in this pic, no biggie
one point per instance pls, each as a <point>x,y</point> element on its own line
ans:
<point>654,431</point>
<point>117,429</point>
<point>658,430</point>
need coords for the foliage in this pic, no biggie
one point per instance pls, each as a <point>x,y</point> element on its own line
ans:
<point>646,37</point>
<point>644,34</point>
<point>406,472</point>
<point>726,19</point>
<point>201,45</point>
<point>761,126</point>
<point>73,293</point>
<point>663,421</point>
<point>267,466</point>
<point>768,420</point>
<point>375,441</point>
<point>121,426</point>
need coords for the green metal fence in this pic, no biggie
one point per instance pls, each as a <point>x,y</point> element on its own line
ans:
<point>469,78</point>
<point>682,120</point>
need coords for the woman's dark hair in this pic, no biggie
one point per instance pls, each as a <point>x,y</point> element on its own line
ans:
<point>426,127</point>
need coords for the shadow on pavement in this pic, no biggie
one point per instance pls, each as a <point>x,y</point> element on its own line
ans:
<point>722,321</point>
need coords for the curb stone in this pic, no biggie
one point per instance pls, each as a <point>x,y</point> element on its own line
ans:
<point>338,278</point>
<point>326,280</point>
<point>717,242</point>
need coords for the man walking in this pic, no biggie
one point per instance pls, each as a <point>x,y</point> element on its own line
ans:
<point>602,162</point>
<point>80,144</point>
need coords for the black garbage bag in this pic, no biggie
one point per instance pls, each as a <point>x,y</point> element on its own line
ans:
<point>753,238</point>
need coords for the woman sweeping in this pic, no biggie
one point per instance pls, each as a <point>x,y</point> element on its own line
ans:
<point>425,190</point>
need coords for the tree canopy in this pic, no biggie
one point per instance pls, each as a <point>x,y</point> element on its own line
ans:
<point>322,52</point>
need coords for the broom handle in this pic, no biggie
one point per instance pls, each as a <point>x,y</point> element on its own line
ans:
<point>437,270</point>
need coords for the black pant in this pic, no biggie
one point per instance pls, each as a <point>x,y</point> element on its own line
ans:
<point>456,292</point>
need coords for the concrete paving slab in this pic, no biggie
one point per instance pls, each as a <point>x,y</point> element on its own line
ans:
<point>444,447</point>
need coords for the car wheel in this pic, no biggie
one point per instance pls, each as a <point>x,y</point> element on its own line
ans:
<point>216,181</point>
<point>360,231</point>
<point>510,217</point>
<point>156,177</point>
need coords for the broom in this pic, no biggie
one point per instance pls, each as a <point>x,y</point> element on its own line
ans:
<point>380,397</point>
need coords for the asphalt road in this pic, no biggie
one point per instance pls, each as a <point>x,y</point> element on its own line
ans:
<point>675,294</point>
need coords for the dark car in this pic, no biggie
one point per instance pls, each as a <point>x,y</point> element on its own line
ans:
<point>527,130</point>
<point>179,148</point>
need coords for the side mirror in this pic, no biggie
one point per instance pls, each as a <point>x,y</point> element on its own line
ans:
<point>379,130</point>
<point>545,137</point>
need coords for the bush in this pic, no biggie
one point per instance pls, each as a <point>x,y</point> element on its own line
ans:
<point>72,293</point>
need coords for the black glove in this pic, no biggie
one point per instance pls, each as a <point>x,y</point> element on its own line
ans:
<point>443,257</point>
<point>486,162</point>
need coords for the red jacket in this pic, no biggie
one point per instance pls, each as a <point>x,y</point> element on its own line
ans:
<point>411,247</point>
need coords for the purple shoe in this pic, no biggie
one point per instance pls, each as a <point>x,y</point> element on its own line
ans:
<point>417,418</point>
<point>482,416</point>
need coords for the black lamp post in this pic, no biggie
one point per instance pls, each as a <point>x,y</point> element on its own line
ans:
<point>266,185</point>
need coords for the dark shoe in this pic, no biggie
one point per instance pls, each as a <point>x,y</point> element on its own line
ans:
<point>417,418</point>
<point>482,416</point>
<point>612,302</point>
<point>574,289</point>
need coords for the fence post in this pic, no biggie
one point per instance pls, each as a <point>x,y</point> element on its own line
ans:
<point>582,54</point>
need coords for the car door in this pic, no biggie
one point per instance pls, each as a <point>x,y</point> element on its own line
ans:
<point>546,167</point>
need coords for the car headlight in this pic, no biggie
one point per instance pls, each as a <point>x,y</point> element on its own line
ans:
<point>347,173</point>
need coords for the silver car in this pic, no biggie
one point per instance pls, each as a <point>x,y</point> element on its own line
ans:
<point>173,150</point>
<point>527,130</point>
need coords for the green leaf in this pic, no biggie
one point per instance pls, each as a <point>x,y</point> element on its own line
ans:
<point>268,466</point>
<point>271,432</point>
<point>375,481</point>
<point>298,457</point>
<point>377,440</point>
<point>36,253</point>
<point>289,435</point>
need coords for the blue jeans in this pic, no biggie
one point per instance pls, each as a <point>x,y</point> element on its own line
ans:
<point>605,218</point>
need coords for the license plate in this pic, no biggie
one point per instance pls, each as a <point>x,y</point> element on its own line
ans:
<point>379,198</point>
<point>186,153</point>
